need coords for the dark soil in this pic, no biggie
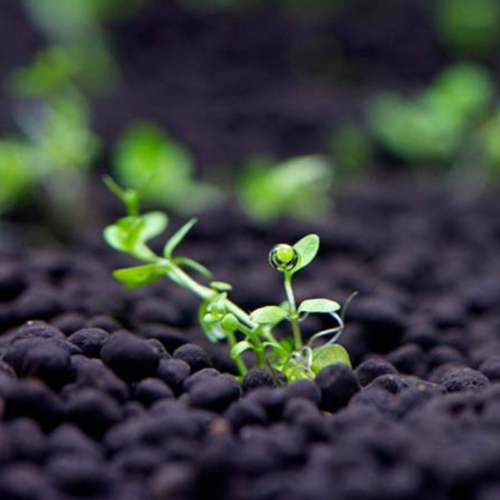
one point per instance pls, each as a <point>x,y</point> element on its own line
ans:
<point>107,394</point>
<point>113,394</point>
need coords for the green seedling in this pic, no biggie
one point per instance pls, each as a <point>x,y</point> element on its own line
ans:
<point>56,144</point>
<point>431,127</point>
<point>298,188</point>
<point>149,161</point>
<point>220,318</point>
<point>77,25</point>
<point>468,27</point>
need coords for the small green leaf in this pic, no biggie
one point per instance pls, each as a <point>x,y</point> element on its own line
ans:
<point>319,306</point>
<point>268,315</point>
<point>240,348</point>
<point>221,286</point>
<point>210,325</point>
<point>329,355</point>
<point>307,248</point>
<point>176,239</point>
<point>230,323</point>
<point>154,224</point>
<point>136,277</point>
<point>195,266</point>
<point>130,234</point>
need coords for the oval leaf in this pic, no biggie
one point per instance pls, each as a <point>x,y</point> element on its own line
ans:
<point>154,224</point>
<point>319,306</point>
<point>325,356</point>
<point>269,315</point>
<point>178,236</point>
<point>136,277</point>
<point>307,248</point>
<point>211,328</point>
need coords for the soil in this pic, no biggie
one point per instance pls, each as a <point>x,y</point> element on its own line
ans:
<point>108,394</point>
<point>114,394</point>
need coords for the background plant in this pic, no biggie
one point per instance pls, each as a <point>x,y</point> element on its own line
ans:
<point>435,126</point>
<point>299,188</point>
<point>149,160</point>
<point>220,318</point>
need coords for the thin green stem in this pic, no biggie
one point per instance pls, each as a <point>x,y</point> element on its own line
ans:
<point>247,326</point>
<point>294,317</point>
<point>238,361</point>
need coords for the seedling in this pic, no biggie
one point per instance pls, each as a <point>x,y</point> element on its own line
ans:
<point>150,161</point>
<point>220,318</point>
<point>298,188</point>
<point>431,127</point>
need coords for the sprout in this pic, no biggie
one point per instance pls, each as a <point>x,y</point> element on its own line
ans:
<point>283,257</point>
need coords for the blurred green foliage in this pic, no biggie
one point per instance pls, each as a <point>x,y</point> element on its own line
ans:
<point>148,160</point>
<point>78,25</point>
<point>55,141</point>
<point>431,126</point>
<point>468,27</point>
<point>297,188</point>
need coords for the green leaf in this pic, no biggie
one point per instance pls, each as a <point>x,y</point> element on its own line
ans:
<point>318,306</point>
<point>230,323</point>
<point>268,315</point>
<point>136,277</point>
<point>329,355</point>
<point>221,286</point>
<point>307,248</point>
<point>240,348</point>
<point>178,236</point>
<point>154,224</point>
<point>130,234</point>
<point>210,327</point>
<point>195,266</point>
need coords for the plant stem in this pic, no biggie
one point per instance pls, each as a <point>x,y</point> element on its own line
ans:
<point>294,317</point>
<point>238,361</point>
<point>247,326</point>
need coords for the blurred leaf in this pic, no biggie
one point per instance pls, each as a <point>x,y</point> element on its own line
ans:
<point>297,188</point>
<point>469,27</point>
<point>136,277</point>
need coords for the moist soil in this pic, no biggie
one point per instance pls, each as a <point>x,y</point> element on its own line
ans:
<point>108,394</point>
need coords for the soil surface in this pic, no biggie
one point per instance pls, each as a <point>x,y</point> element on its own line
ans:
<point>108,394</point>
<point>112,394</point>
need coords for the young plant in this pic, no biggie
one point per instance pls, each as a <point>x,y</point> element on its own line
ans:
<point>298,187</point>
<point>148,160</point>
<point>220,318</point>
<point>432,126</point>
<point>56,145</point>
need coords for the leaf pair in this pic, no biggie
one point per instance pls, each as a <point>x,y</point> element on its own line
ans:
<point>130,234</point>
<point>212,315</point>
<point>272,315</point>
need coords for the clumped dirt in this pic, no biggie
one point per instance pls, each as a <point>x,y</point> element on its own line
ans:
<point>114,394</point>
<point>108,394</point>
